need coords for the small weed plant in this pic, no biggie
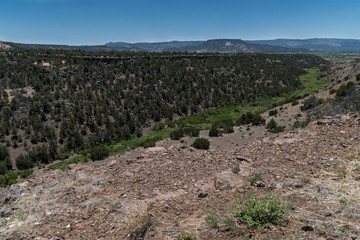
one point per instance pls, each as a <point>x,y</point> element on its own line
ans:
<point>212,220</point>
<point>113,207</point>
<point>186,235</point>
<point>342,200</point>
<point>139,227</point>
<point>256,212</point>
<point>258,177</point>
<point>235,169</point>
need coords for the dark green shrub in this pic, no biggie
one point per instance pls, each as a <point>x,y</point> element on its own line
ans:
<point>257,120</point>
<point>358,77</point>
<point>214,132</point>
<point>149,143</point>
<point>226,125</point>
<point>258,212</point>
<point>201,143</point>
<point>273,112</point>
<point>8,179</point>
<point>26,173</point>
<point>176,134</point>
<point>5,162</point>
<point>23,162</point>
<point>247,118</point>
<point>99,153</point>
<point>171,124</point>
<point>273,127</point>
<point>332,91</point>
<point>301,124</point>
<point>294,103</point>
<point>191,131</point>
<point>310,103</point>
<point>3,167</point>
<point>235,169</point>
<point>345,90</point>
<point>64,153</point>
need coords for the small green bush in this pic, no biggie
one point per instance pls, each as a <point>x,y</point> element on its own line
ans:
<point>257,120</point>
<point>191,131</point>
<point>23,162</point>
<point>235,169</point>
<point>8,179</point>
<point>273,112</point>
<point>345,90</point>
<point>226,125</point>
<point>214,132</point>
<point>26,173</point>
<point>99,153</point>
<point>186,235</point>
<point>310,103</point>
<point>358,77</point>
<point>273,127</point>
<point>149,143</point>
<point>258,212</point>
<point>256,178</point>
<point>301,124</point>
<point>294,103</point>
<point>212,220</point>
<point>201,143</point>
<point>247,118</point>
<point>176,134</point>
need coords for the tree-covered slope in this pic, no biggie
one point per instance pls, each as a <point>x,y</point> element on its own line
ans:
<point>52,101</point>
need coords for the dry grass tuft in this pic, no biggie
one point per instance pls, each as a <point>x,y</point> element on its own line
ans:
<point>139,226</point>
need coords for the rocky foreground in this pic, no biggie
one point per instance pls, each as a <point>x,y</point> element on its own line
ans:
<point>317,170</point>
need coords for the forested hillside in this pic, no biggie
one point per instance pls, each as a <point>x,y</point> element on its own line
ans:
<point>53,101</point>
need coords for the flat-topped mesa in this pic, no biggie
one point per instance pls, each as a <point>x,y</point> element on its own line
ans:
<point>4,46</point>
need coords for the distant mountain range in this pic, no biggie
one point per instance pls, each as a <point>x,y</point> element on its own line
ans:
<point>152,47</point>
<point>315,44</point>
<point>238,46</point>
<point>219,45</point>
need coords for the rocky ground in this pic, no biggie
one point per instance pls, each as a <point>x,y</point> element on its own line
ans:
<point>173,189</point>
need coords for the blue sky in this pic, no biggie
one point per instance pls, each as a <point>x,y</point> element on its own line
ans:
<point>81,22</point>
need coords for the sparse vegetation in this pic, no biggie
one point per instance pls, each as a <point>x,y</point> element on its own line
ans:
<point>186,235</point>
<point>212,220</point>
<point>8,179</point>
<point>273,112</point>
<point>301,124</point>
<point>99,153</point>
<point>26,173</point>
<point>235,169</point>
<point>149,143</point>
<point>256,178</point>
<point>311,103</point>
<point>273,127</point>
<point>201,143</point>
<point>345,90</point>
<point>250,118</point>
<point>214,132</point>
<point>256,212</point>
<point>139,227</point>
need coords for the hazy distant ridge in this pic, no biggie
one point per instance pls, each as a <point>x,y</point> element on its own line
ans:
<point>315,44</point>
<point>219,45</point>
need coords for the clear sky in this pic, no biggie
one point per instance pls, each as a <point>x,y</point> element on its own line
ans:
<point>82,22</point>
